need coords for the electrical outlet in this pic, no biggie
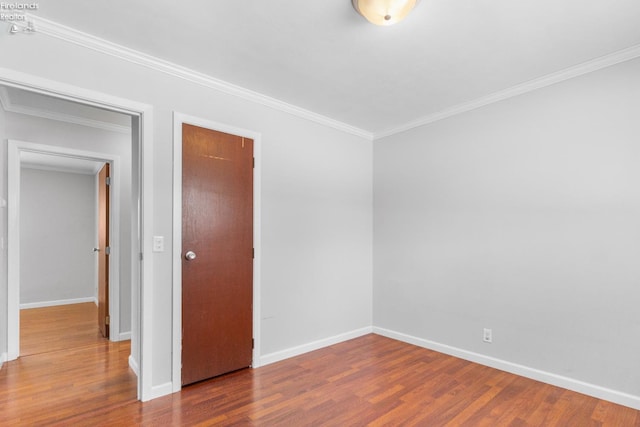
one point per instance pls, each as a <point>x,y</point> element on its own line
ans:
<point>487,335</point>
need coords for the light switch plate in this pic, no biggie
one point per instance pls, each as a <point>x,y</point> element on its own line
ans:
<point>158,243</point>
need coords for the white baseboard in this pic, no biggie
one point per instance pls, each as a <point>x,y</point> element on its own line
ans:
<point>599,392</point>
<point>158,391</point>
<point>134,366</point>
<point>56,302</point>
<point>4,357</point>
<point>315,345</point>
<point>124,336</point>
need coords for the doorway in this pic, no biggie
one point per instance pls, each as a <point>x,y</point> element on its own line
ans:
<point>178,255</point>
<point>63,238</point>
<point>65,159</point>
<point>141,148</point>
<point>217,261</point>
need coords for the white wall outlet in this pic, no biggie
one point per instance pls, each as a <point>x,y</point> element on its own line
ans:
<point>487,335</point>
<point>158,243</point>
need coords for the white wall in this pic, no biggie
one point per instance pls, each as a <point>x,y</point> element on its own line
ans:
<point>317,223</point>
<point>58,233</point>
<point>524,217</point>
<point>3,236</point>
<point>68,135</point>
<point>316,197</point>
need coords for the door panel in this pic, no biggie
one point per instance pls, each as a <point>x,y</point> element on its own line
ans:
<point>103,257</point>
<point>217,226</point>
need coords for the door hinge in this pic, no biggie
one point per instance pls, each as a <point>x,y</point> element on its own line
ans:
<point>107,320</point>
<point>108,180</point>
<point>107,250</point>
<point>253,343</point>
<point>253,253</point>
<point>141,256</point>
<point>254,162</point>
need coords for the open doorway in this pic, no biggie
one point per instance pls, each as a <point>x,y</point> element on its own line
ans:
<point>49,254</point>
<point>62,252</point>
<point>127,247</point>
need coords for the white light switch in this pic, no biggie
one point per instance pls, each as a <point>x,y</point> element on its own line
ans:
<point>158,243</point>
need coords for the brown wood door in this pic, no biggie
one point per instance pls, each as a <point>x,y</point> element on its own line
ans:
<point>217,227</point>
<point>103,255</point>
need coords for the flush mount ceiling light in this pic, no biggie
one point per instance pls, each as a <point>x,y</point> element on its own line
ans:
<point>384,12</point>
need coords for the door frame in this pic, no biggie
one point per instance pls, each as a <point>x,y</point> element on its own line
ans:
<point>141,358</point>
<point>178,120</point>
<point>15,148</point>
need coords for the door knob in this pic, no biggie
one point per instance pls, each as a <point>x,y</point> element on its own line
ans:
<point>96,249</point>
<point>190,256</point>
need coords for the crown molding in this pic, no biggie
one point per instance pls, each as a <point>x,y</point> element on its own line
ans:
<point>4,98</point>
<point>68,34</point>
<point>68,118</point>
<point>80,38</point>
<point>620,56</point>
<point>5,102</point>
<point>10,107</point>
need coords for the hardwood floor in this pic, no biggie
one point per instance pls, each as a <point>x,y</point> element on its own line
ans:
<point>370,380</point>
<point>65,367</point>
<point>56,328</point>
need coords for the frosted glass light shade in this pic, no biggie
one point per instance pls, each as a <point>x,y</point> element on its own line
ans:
<point>384,12</point>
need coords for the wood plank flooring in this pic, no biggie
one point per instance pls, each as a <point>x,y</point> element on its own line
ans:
<point>56,328</point>
<point>65,367</point>
<point>368,381</point>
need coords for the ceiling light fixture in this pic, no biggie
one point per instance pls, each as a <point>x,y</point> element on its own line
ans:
<point>384,12</point>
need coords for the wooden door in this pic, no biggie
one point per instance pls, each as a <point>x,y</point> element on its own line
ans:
<point>217,253</point>
<point>103,250</point>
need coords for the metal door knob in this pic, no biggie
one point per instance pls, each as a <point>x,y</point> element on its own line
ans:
<point>190,256</point>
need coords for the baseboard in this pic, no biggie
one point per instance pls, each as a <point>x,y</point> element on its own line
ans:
<point>3,358</point>
<point>158,391</point>
<point>134,366</point>
<point>56,302</point>
<point>124,336</point>
<point>315,345</point>
<point>593,390</point>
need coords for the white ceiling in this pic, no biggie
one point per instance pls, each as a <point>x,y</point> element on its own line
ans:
<point>323,57</point>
